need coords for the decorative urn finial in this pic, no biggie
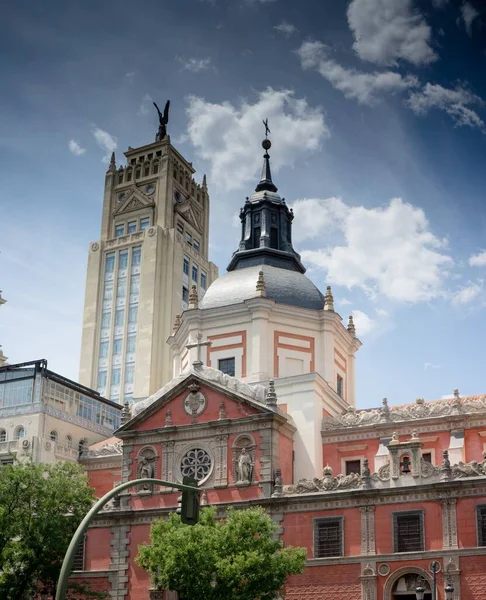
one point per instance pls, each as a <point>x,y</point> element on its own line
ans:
<point>328,299</point>
<point>271,397</point>
<point>193,297</point>
<point>351,327</point>
<point>260,285</point>
<point>177,323</point>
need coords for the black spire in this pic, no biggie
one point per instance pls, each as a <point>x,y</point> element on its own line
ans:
<point>266,225</point>
<point>266,182</point>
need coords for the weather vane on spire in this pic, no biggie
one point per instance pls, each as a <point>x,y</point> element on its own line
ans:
<point>267,130</point>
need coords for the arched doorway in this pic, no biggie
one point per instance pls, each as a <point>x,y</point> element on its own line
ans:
<point>402,583</point>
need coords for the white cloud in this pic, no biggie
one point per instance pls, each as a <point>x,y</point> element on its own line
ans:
<point>469,15</point>
<point>388,250</point>
<point>388,30</point>
<point>75,148</point>
<point>468,293</point>
<point>130,76</point>
<point>145,105</point>
<point>363,323</point>
<point>456,103</point>
<point>431,366</point>
<point>366,88</point>
<point>229,136</point>
<point>106,141</point>
<point>344,302</point>
<point>478,260</point>
<point>195,65</point>
<point>286,28</point>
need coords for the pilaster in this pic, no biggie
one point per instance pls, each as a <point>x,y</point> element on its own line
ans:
<point>119,561</point>
<point>449,523</point>
<point>368,582</point>
<point>367,530</point>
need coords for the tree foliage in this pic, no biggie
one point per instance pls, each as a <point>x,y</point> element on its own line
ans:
<point>238,558</point>
<point>40,508</point>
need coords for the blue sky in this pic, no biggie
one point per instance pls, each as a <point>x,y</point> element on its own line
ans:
<point>377,112</point>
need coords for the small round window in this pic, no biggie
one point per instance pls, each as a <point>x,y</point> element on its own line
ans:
<point>196,463</point>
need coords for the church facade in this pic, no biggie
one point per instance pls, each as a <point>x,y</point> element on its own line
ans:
<point>260,408</point>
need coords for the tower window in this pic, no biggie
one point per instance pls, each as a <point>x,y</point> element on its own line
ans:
<point>115,376</point>
<point>196,244</point>
<point>132,227</point>
<point>185,294</point>
<point>137,174</point>
<point>194,273</point>
<point>104,349</point>
<point>117,346</point>
<point>408,531</point>
<point>274,238</point>
<point>256,237</point>
<point>131,340</point>
<point>105,319</point>
<point>129,373</point>
<point>146,172</point>
<point>123,260</point>
<point>53,436</point>
<point>119,230</point>
<point>156,168</point>
<point>339,385</point>
<point>180,227</point>
<point>328,537</point>
<point>133,314</point>
<point>203,280</point>
<point>186,266</point>
<point>136,256</point>
<point>188,238</point>
<point>119,317</point>
<point>144,223</point>
<point>102,375</point>
<point>110,262</point>
<point>227,366</point>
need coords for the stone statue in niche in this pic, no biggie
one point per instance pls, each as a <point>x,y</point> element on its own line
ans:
<point>245,467</point>
<point>146,470</point>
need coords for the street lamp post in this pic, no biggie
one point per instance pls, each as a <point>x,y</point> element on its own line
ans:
<point>434,567</point>
<point>448,590</point>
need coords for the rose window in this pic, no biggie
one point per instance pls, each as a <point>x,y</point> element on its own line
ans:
<point>196,463</point>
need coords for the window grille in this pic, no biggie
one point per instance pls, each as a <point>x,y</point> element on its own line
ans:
<point>328,537</point>
<point>408,530</point>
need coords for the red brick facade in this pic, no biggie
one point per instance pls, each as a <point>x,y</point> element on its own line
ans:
<point>370,508</point>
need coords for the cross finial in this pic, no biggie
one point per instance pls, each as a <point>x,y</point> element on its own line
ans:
<point>267,130</point>
<point>198,344</point>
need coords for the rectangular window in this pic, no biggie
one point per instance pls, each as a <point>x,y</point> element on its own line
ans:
<point>123,260</point>
<point>110,263</point>
<point>353,466</point>
<point>194,273</point>
<point>101,379</point>
<point>256,237</point>
<point>185,294</point>
<point>104,349</point>
<point>427,456</point>
<point>119,317</point>
<point>408,531</point>
<point>119,230</point>
<point>131,340</point>
<point>204,280</point>
<point>78,561</point>
<point>339,385</point>
<point>481,519</point>
<point>108,294</point>
<point>105,319</point>
<point>196,244</point>
<point>328,537</point>
<point>132,314</point>
<point>129,373</point>
<point>144,223</point>
<point>115,376</point>
<point>186,266</point>
<point>121,287</point>
<point>132,227</point>
<point>180,227</point>
<point>134,284</point>
<point>274,238</point>
<point>136,256</point>
<point>227,366</point>
<point>117,346</point>
<point>188,238</point>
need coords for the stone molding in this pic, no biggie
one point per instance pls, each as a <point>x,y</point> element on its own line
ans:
<point>449,523</point>
<point>456,406</point>
<point>120,550</point>
<point>394,576</point>
<point>368,582</point>
<point>107,449</point>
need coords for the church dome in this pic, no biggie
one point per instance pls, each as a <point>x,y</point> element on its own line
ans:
<point>282,285</point>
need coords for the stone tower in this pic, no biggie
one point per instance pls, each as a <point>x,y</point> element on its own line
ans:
<point>152,250</point>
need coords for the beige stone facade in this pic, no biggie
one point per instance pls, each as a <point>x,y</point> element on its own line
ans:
<point>153,248</point>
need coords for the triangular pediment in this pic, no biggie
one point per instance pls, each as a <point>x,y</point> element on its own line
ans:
<point>135,200</point>
<point>192,398</point>
<point>191,215</point>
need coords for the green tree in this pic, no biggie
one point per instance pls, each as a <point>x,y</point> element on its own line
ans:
<point>238,558</point>
<point>40,508</point>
